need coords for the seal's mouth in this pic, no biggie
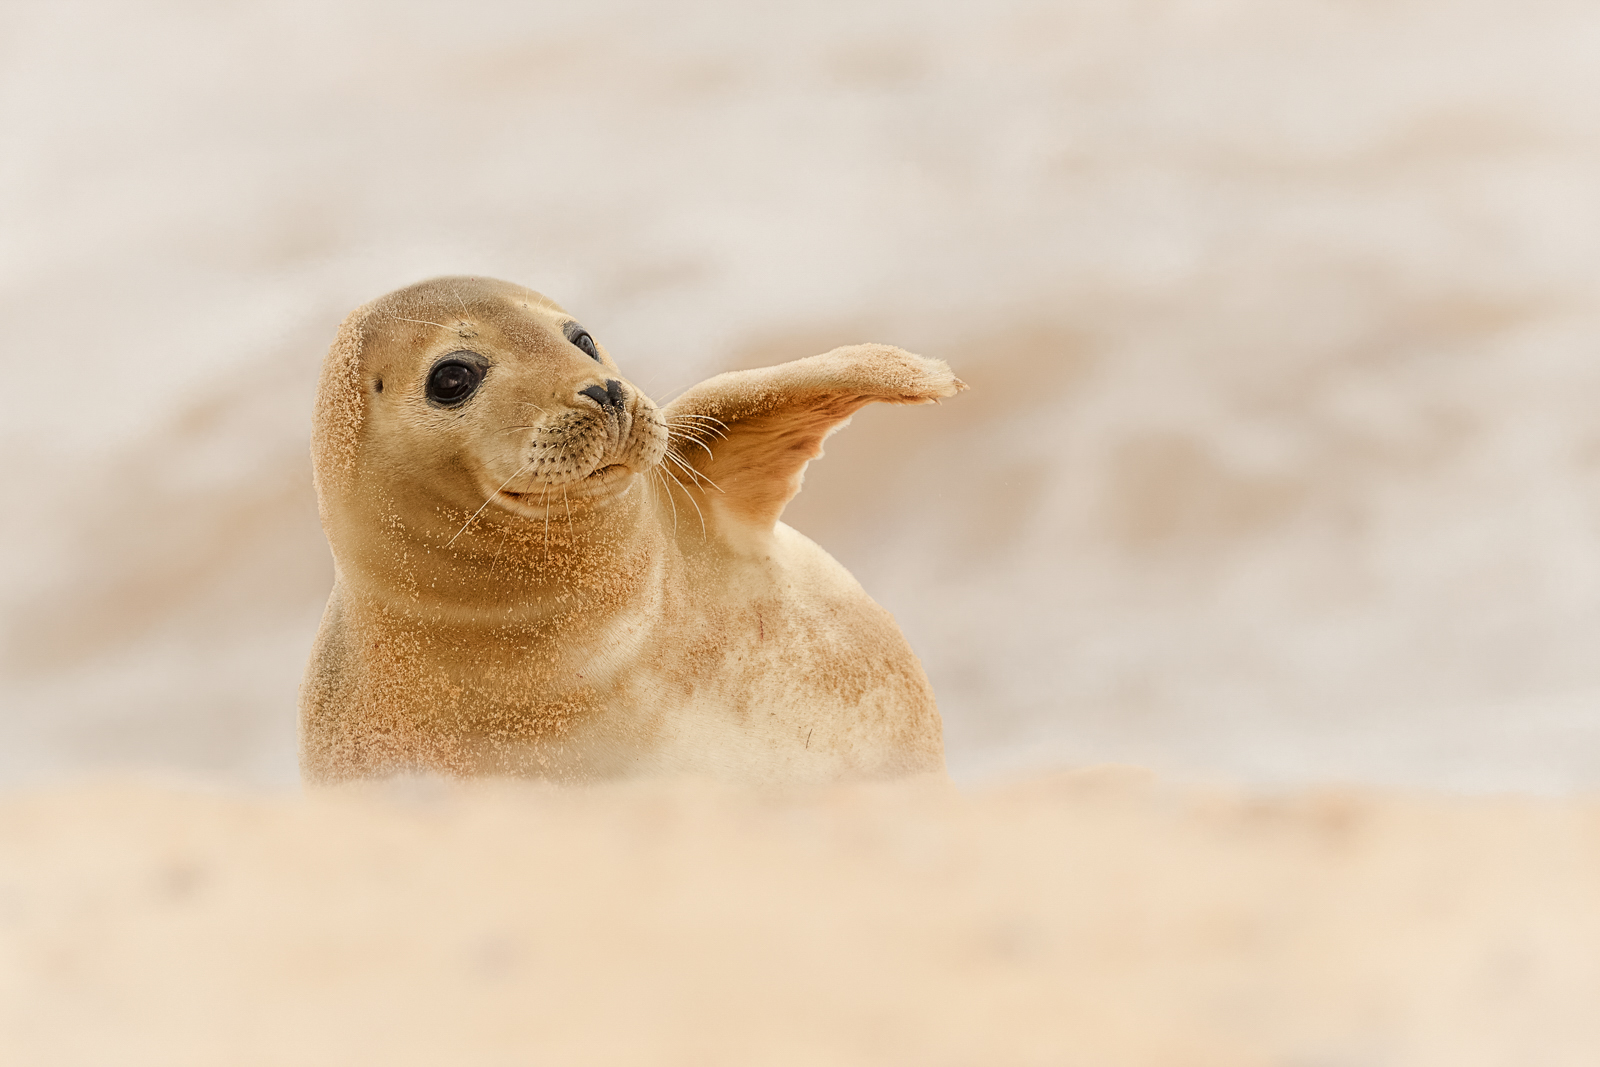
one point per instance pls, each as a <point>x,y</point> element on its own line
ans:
<point>582,456</point>
<point>598,481</point>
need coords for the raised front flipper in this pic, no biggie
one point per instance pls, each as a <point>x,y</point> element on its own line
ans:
<point>747,435</point>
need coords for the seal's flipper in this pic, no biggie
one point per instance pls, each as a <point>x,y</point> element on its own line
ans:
<point>751,433</point>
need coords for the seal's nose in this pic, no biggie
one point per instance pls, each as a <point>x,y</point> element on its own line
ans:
<point>611,397</point>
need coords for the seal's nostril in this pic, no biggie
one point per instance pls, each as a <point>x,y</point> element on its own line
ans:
<point>611,396</point>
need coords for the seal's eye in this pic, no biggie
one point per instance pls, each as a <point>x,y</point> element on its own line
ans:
<point>453,380</point>
<point>580,337</point>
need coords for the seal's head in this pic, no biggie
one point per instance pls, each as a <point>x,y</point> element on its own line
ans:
<point>470,402</point>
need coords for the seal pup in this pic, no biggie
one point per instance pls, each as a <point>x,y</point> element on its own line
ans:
<point>540,573</point>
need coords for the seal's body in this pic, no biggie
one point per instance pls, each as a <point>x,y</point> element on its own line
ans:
<point>540,573</point>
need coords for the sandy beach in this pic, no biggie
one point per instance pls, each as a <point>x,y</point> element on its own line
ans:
<point>1101,917</point>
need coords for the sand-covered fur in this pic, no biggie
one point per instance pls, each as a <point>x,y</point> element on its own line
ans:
<point>553,577</point>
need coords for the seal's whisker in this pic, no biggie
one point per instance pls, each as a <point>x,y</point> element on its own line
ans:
<point>706,424</point>
<point>544,502</point>
<point>690,495</point>
<point>492,495</point>
<point>503,535</point>
<point>457,294</point>
<point>697,434</point>
<point>690,416</point>
<point>688,469</point>
<point>698,427</point>
<point>671,456</point>
<point>656,473</point>
<point>420,322</point>
<point>694,476</point>
<point>672,449</point>
<point>689,438</point>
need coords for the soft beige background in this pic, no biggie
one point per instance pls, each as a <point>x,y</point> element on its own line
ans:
<point>1280,464</point>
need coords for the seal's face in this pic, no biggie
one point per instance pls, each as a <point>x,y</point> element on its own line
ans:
<point>492,395</point>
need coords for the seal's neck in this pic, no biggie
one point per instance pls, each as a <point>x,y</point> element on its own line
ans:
<point>581,563</point>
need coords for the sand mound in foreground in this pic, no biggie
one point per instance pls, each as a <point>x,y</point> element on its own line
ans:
<point>1097,917</point>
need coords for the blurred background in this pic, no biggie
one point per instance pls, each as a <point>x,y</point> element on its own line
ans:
<point>1280,462</point>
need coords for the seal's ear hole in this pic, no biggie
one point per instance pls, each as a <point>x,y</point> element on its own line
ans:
<point>377,386</point>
